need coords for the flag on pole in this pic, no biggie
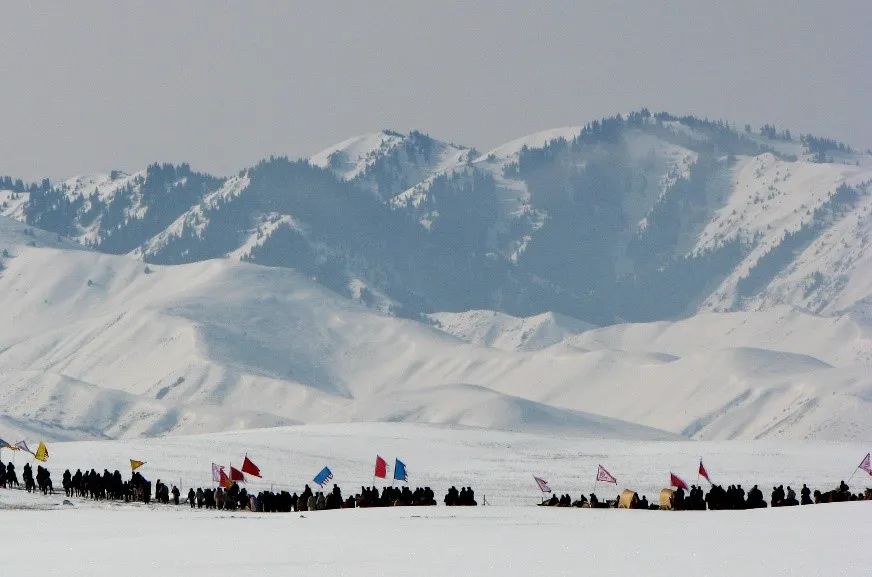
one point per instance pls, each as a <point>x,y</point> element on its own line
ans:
<point>250,468</point>
<point>866,464</point>
<point>223,479</point>
<point>400,473</point>
<point>41,452</point>
<point>604,476</point>
<point>543,484</point>
<point>236,474</point>
<point>216,473</point>
<point>22,446</point>
<point>323,477</point>
<point>381,468</point>
<point>134,464</point>
<point>5,445</point>
<point>675,481</point>
<point>703,472</point>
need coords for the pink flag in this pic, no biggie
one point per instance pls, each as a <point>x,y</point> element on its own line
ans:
<point>216,472</point>
<point>543,484</point>
<point>866,465</point>
<point>604,476</point>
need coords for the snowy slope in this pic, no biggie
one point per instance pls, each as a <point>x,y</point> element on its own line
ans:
<point>105,346</point>
<point>351,157</point>
<point>502,331</point>
<point>389,163</point>
<point>772,197</point>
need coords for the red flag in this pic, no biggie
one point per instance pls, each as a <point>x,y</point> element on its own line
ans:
<point>703,472</point>
<point>604,476</point>
<point>223,479</point>
<point>250,468</point>
<point>236,474</point>
<point>676,481</point>
<point>381,467</point>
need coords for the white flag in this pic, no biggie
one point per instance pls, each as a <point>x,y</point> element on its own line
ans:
<point>22,445</point>
<point>216,472</point>
<point>543,484</point>
<point>866,465</point>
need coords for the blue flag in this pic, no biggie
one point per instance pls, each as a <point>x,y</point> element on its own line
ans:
<point>323,477</point>
<point>400,471</point>
<point>5,445</point>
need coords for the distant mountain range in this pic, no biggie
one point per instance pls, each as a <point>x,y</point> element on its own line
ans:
<point>642,277</point>
<point>635,218</point>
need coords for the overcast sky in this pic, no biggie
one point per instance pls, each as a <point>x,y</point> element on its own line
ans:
<point>90,86</point>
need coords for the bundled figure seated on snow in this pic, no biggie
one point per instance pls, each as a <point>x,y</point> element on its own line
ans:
<point>464,498</point>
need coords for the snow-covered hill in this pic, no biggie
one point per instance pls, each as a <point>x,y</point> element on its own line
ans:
<point>96,345</point>
<point>502,331</point>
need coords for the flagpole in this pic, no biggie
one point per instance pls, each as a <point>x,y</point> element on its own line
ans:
<point>857,468</point>
<point>852,475</point>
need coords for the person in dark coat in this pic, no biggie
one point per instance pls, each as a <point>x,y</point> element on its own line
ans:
<point>805,495</point>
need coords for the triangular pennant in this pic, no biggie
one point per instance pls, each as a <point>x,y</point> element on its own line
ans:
<point>543,484</point>
<point>605,476</point>
<point>236,474</point>
<point>703,472</point>
<point>134,464</point>
<point>41,452</point>
<point>250,468</point>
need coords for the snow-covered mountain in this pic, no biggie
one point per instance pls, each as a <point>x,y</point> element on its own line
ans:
<point>638,218</point>
<point>395,277</point>
<point>96,345</point>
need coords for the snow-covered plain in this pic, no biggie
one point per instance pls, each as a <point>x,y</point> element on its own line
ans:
<point>509,538</point>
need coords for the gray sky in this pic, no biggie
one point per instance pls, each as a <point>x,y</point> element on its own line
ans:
<point>90,86</point>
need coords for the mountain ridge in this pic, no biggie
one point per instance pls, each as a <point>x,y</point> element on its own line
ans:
<point>643,217</point>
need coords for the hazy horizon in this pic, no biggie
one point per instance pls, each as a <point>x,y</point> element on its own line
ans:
<point>96,86</point>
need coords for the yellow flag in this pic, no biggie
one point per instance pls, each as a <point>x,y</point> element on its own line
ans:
<point>41,452</point>
<point>134,464</point>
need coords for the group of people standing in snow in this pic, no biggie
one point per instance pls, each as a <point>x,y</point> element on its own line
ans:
<point>111,486</point>
<point>717,498</point>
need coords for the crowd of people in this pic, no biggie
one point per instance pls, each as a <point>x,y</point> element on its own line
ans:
<point>717,498</point>
<point>111,486</point>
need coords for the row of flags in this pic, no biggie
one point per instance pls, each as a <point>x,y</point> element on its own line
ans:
<point>603,476</point>
<point>220,476</point>
<point>41,453</point>
<point>226,479</point>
